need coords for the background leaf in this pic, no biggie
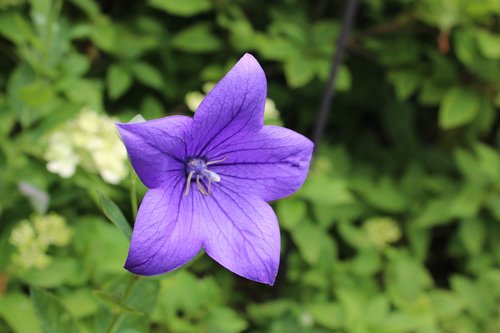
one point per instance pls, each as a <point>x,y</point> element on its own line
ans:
<point>114,214</point>
<point>51,314</point>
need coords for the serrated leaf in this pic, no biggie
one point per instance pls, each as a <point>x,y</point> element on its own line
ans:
<point>118,81</point>
<point>52,315</point>
<point>114,214</point>
<point>182,8</point>
<point>458,107</point>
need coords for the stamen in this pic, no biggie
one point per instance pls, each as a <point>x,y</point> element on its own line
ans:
<point>188,183</point>
<point>200,185</point>
<point>217,161</point>
<point>198,168</point>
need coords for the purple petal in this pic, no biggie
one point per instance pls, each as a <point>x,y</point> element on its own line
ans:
<point>234,105</point>
<point>167,233</point>
<point>242,234</point>
<point>271,164</point>
<point>157,147</point>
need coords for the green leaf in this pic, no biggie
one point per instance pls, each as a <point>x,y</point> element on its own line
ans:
<point>472,233</point>
<point>143,298</point>
<point>114,214</point>
<point>61,271</point>
<point>182,8</point>
<point>489,44</point>
<point>17,311</point>
<point>115,302</point>
<point>299,72</point>
<point>406,83</point>
<point>313,243</point>
<point>225,320</point>
<point>446,304</point>
<point>82,91</point>
<point>488,161</point>
<point>327,191</point>
<point>435,212</point>
<point>459,107</point>
<point>90,7</point>
<point>36,94</point>
<point>407,279</point>
<point>263,313</point>
<point>383,194</point>
<point>15,27</point>
<point>477,299</point>
<point>80,303</point>
<point>52,315</point>
<point>101,248</point>
<point>399,321</point>
<point>76,64</point>
<point>291,212</point>
<point>343,80</point>
<point>441,13</point>
<point>104,34</point>
<point>148,75</point>
<point>197,38</point>
<point>118,81</point>
<point>328,315</point>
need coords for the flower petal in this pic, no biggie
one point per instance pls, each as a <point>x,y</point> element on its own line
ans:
<point>157,147</point>
<point>234,105</point>
<point>166,233</point>
<point>271,164</point>
<point>242,234</point>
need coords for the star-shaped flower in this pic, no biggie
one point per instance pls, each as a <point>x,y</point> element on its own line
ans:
<point>209,178</point>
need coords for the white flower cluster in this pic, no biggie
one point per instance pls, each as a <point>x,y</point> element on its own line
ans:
<point>382,231</point>
<point>32,239</point>
<point>91,141</point>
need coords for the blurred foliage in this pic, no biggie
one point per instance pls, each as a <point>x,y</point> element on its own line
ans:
<point>396,229</point>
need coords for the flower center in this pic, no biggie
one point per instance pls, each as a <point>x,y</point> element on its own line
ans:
<point>197,169</point>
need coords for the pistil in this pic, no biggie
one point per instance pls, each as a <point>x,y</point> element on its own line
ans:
<point>198,168</point>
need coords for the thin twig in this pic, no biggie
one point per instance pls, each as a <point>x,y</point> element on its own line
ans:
<point>329,93</point>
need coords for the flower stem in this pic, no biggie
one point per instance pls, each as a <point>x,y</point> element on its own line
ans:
<point>116,320</point>
<point>133,194</point>
<point>329,93</point>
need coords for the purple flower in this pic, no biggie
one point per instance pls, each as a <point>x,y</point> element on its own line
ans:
<point>209,178</point>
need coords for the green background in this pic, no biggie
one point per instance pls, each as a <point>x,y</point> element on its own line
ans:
<point>397,228</point>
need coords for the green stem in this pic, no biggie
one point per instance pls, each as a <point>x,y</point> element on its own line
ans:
<point>133,194</point>
<point>115,321</point>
